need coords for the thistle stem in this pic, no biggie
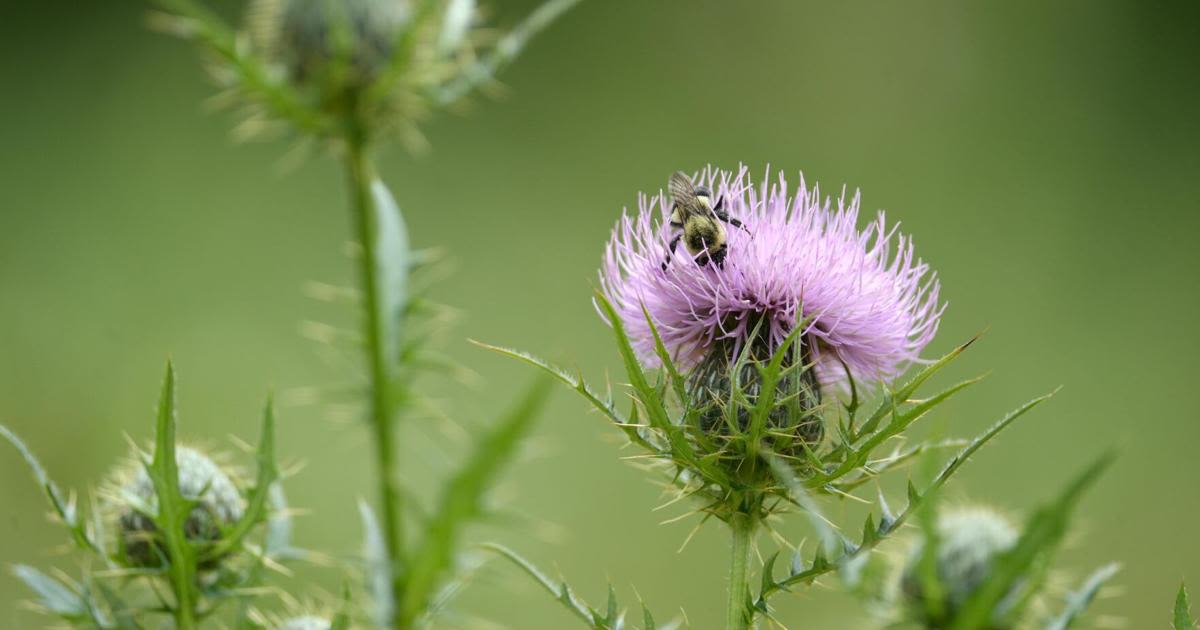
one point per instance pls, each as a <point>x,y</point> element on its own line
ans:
<point>742,528</point>
<point>183,575</point>
<point>381,402</point>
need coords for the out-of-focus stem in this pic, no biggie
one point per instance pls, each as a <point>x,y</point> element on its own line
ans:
<point>742,527</point>
<point>381,400</point>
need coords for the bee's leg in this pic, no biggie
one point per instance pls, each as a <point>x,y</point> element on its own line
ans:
<point>719,210</point>
<point>722,215</point>
<point>671,250</point>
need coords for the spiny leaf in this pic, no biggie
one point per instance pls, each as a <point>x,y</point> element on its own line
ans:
<point>279,524</point>
<point>900,422</point>
<point>64,508</point>
<point>1080,599</point>
<point>559,590</point>
<point>822,566</point>
<point>257,505</point>
<point>341,619</point>
<point>391,250</point>
<point>460,500</point>
<point>961,458</point>
<point>601,403</point>
<point>505,50</point>
<point>1041,535</point>
<point>647,619</point>
<point>656,411</point>
<point>173,509</point>
<point>870,533</point>
<point>53,595</point>
<point>886,518</point>
<point>903,394</point>
<point>610,615</point>
<point>377,567</point>
<point>212,33</point>
<point>1183,615</point>
<point>768,572</point>
<point>673,375</point>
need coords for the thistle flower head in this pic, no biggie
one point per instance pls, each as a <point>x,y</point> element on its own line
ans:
<point>867,303</point>
<point>218,505</point>
<point>968,541</point>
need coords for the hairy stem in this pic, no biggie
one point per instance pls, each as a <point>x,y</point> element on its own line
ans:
<point>742,528</point>
<point>381,401</point>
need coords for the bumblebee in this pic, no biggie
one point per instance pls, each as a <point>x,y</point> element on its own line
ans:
<point>700,220</point>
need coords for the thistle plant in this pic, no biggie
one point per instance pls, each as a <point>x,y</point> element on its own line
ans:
<point>351,75</point>
<point>750,380</point>
<point>771,377</point>
<point>174,536</point>
<point>346,76</point>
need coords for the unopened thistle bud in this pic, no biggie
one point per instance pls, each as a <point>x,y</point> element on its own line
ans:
<point>218,505</point>
<point>968,542</point>
<point>316,39</point>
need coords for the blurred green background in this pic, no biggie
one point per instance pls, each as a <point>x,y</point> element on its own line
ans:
<point>1045,155</point>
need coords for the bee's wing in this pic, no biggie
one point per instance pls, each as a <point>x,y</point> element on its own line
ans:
<point>681,188</point>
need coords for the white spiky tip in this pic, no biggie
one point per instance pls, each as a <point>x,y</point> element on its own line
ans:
<point>305,622</point>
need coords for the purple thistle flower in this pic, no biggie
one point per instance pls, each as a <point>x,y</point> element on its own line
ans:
<point>867,300</point>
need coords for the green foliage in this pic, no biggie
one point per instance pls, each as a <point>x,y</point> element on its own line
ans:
<point>199,574</point>
<point>341,619</point>
<point>392,258</point>
<point>258,504</point>
<point>65,508</point>
<point>1183,613</point>
<point>377,568</point>
<point>1027,560</point>
<point>742,471</point>
<point>173,509</point>
<point>611,618</point>
<point>57,598</point>
<point>461,502</point>
<point>1078,600</point>
<point>433,62</point>
<point>888,524</point>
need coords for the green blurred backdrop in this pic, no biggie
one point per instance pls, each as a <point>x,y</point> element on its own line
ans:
<point>1045,155</point>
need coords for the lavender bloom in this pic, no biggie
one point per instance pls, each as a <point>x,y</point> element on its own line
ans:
<point>869,303</point>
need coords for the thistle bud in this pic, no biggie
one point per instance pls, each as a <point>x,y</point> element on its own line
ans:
<point>217,505</point>
<point>968,542</point>
<point>319,42</point>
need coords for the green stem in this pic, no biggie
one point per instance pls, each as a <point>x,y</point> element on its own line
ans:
<point>742,528</point>
<point>183,578</point>
<point>381,403</point>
